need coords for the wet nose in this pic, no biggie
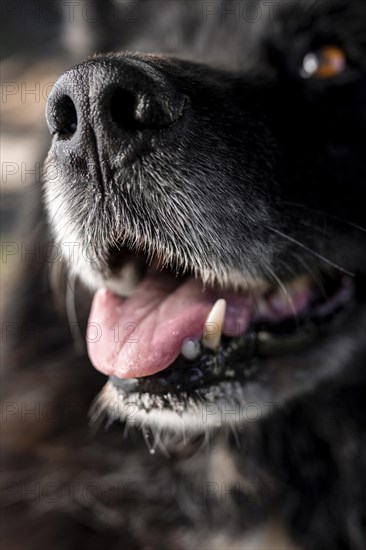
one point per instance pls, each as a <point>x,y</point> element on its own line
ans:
<point>115,98</point>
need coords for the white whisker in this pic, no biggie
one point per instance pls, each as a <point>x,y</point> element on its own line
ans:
<point>330,216</point>
<point>311,251</point>
<point>72,316</point>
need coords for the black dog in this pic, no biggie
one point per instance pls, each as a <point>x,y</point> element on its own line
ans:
<point>212,198</point>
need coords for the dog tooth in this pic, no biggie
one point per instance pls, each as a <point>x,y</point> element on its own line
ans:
<point>261,307</point>
<point>191,349</point>
<point>126,281</point>
<point>279,303</point>
<point>214,324</point>
<point>302,282</point>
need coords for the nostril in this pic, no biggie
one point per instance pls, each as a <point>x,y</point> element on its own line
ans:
<point>123,110</point>
<point>64,117</point>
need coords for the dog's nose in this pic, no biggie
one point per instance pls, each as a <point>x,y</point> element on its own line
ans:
<point>114,98</point>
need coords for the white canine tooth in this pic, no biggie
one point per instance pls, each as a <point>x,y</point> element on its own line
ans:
<point>214,324</point>
<point>191,349</point>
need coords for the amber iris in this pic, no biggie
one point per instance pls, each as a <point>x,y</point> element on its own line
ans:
<point>327,62</point>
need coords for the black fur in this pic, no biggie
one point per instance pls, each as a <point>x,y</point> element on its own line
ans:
<point>260,161</point>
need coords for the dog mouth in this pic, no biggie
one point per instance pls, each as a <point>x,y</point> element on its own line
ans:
<point>174,334</point>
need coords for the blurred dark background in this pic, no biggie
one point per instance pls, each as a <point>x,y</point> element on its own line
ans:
<point>39,39</point>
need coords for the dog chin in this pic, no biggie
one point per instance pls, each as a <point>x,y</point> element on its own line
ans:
<point>222,405</point>
<point>234,403</point>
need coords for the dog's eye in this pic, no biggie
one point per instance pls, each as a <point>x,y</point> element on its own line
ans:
<point>326,62</point>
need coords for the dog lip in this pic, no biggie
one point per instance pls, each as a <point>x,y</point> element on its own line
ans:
<point>239,359</point>
<point>167,311</point>
<point>163,311</point>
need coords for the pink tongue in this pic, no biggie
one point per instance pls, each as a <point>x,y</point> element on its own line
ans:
<point>143,334</point>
